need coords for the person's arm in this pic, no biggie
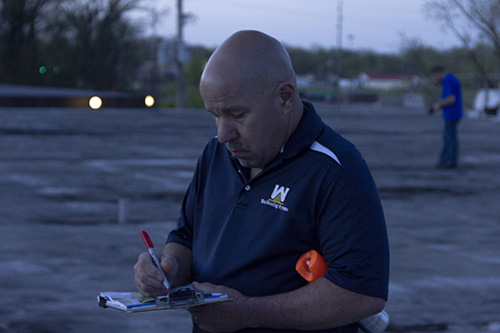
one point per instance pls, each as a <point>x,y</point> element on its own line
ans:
<point>449,100</point>
<point>319,305</point>
<point>175,261</point>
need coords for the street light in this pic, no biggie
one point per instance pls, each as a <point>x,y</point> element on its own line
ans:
<point>95,102</point>
<point>149,101</point>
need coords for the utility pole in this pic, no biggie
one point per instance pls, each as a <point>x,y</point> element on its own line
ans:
<point>181,92</point>
<point>340,18</point>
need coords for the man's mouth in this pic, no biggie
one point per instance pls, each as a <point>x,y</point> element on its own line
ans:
<point>236,150</point>
<point>237,153</point>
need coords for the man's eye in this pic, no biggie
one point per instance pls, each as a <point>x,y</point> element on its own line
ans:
<point>238,115</point>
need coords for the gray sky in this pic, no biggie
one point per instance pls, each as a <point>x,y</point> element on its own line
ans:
<point>380,25</point>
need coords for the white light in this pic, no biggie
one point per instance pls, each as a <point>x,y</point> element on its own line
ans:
<point>149,101</point>
<point>95,102</point>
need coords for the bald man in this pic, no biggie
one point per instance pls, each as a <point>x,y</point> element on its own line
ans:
<point>275,183</point>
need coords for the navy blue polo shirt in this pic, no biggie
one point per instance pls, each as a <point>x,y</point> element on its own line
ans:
<point>316,194</point>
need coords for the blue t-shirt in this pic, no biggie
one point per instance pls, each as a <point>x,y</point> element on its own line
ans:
<point>451,86</point>
<point>316,194</point>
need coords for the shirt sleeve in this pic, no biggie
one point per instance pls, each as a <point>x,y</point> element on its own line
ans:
<point>352,232</point>
<point>450,86</point>
<point>184,232</point>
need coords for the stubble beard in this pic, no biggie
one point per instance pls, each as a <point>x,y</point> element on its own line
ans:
<point>237,146</point>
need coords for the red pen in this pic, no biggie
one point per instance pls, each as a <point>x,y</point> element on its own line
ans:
<point>150,247</point>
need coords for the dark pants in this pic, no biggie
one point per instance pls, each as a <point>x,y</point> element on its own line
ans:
<point>449,154</point>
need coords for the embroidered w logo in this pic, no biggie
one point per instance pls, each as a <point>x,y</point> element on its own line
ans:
<point>279,194</point>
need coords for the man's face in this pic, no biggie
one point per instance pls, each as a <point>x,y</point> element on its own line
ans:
<point>437,78</point>
<point>250,123</point>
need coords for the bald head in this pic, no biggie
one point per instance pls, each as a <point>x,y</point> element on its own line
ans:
<point>249,58</point>
<point>249,86</point>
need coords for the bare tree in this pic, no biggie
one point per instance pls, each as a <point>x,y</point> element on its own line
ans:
<point>473,22</point>
<point>20,22</point>
<point>101,38</point>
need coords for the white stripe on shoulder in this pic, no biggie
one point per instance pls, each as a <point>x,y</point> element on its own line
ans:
<point>316,146</point>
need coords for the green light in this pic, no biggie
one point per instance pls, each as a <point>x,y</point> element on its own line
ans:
<point>42,69</point>
<point>56,70</point>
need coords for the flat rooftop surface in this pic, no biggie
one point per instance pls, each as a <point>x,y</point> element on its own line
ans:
<point>77,186</point>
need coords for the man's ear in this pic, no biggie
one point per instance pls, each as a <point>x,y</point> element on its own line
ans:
<point>286,94</point>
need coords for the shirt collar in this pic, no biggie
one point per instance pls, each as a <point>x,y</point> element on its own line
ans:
<point>309,128</point>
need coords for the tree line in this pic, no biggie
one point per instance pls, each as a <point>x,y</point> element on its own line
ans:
<point>95,44</point>
<point>74,43</point>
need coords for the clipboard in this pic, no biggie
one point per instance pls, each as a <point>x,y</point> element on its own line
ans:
<point>183,298</point>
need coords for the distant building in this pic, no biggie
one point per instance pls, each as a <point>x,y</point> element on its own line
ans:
<point>166,52</point>
<point>387,81</point>
<point>304,81</point>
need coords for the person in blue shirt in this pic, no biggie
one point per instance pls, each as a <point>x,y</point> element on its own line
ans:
<point>451,104</point>
<point>275,182</point>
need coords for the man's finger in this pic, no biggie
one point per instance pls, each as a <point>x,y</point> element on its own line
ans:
<point>203,287</point>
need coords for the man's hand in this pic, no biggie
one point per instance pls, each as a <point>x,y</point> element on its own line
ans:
<point>449,100</point>
<point>435,107</point>
<point>148,278</point>
<point>220,317</point>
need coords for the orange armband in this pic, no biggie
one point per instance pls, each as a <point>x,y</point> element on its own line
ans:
<point>311,266</point>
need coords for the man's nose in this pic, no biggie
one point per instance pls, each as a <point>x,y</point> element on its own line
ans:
<point>226,131</point>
